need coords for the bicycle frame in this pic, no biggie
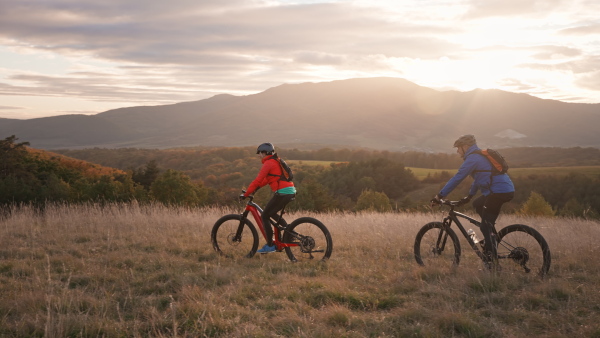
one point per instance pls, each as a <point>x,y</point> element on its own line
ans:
<point>453,216</point>
<point>256,211</point>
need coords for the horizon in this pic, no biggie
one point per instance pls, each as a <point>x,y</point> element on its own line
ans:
<point>63,58</point>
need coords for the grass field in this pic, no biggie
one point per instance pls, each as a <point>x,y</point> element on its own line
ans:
<point>311,163</point>
<point>422,173</point>
<point>593,171</point>
<point>130,271</point>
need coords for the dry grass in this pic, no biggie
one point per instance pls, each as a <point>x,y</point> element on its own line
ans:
<point>151,271</point>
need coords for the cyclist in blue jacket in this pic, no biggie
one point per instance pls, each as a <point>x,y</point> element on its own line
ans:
<point>495,190</point>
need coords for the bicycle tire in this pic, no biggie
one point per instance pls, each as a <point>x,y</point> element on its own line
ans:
<point>431,246</point>
<point>223,233</point>
<point>315,241</point>
<point>525,248</point>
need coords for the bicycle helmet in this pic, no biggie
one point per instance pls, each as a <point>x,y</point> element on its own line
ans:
<point>266,147</point>
<point>465,140</point>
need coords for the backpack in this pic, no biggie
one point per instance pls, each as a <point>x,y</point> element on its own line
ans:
<point>286,172</point>
<point>499,164</point>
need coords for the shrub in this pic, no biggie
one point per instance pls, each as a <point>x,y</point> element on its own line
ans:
<point>536,205</point>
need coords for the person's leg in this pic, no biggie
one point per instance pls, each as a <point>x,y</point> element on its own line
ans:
<point>276,203</point>
<point>490,212</point>
<point>478,204</point>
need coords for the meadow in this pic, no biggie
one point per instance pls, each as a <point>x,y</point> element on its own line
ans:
<point>592,171</point>
<point>421,173</point>
<point>150,271</point>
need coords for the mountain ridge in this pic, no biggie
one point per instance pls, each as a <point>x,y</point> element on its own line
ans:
<point>378,113</point>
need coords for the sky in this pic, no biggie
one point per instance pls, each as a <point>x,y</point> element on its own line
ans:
<point>62,57</point>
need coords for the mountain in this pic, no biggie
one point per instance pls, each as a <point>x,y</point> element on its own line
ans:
<point>380,113</point>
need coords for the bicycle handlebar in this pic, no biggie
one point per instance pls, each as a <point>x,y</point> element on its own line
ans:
<point>241,197</point>
<point>448,202</point>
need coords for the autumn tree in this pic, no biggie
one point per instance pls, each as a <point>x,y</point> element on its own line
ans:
<point>536,205</point>
<point>370,200</point>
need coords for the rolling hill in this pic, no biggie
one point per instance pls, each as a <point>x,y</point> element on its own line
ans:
<point>380,113</point>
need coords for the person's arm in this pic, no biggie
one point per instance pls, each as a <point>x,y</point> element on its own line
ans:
<point>465,169</point>
<point>260,180</point>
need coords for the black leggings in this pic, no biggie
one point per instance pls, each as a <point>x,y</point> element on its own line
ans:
<point>277,202</point>
<point>488,207</point>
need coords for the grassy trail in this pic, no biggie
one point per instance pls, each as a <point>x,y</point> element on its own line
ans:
<point>151,271</point>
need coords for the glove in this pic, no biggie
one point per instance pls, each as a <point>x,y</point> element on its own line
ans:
<point>465,200</point>
<point>437,199</point>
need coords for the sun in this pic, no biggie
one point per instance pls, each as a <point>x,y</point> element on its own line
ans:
<point>487,71</point>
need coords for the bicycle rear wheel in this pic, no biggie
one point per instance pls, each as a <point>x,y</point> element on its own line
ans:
<point>437,245</point>
<point>228,243</point>
<point>523,249</point>
<point>313,239</point>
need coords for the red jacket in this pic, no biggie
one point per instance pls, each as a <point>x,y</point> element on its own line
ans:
<point>263,178</point>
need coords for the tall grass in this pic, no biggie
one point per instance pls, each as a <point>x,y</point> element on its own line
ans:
<point>129,270</point>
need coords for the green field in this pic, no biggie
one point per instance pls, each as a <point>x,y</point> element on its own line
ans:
<point>593,171</point>
<point>311,163</point>
<point>421,173</point>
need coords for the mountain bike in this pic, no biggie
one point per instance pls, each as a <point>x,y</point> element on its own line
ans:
<point>520,247</point>
<point>304,239</point>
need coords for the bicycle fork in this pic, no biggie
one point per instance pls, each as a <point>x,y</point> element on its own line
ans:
<point>238,234</point>
<point>440,244</point>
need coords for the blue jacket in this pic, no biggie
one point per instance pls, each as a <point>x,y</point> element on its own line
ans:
<point>483,180</point>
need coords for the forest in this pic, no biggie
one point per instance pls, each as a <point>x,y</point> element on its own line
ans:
<point>346,179</point>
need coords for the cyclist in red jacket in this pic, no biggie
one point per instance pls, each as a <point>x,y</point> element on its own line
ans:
<point>271,174</point>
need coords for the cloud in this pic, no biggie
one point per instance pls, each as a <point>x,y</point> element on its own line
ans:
<point>582,30</point>
<point>583,65</point>
<point>198,33</point>
<point>516,85</point>
<point>155,52</point>
<point>497,8</point>
<point>9,108</point>
<point>317,58</point>
<point>165,49</point>
<point>590,81</point>
<point>554,52</point>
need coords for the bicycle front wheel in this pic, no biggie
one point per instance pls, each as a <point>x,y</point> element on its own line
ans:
<point>233,238</point>
<point>522,248</point>
<point>312,238</point>
<point>437,245</point>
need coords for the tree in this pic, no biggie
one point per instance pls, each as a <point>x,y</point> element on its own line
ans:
<point>313,196</point>
<point>373,201</point>
<point>536,205</point>
<point>14,158</point>
<point>175,188</point>
<point>146,176</point>
<point>351,179</point>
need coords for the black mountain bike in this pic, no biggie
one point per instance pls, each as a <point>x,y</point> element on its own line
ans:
<point>520,247</point>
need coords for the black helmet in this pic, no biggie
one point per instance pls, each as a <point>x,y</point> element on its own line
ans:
<point>465,140</point>
<point>266,147</point>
